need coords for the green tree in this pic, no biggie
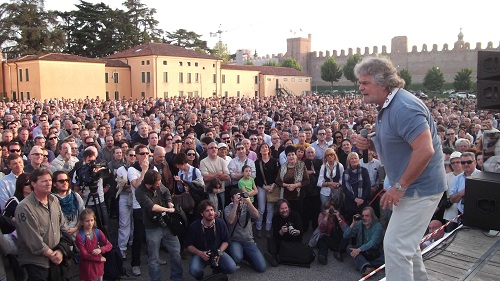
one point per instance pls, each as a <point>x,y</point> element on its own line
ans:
<point>143,26</point>
<point>27,28</point>
<point>463,80</point>
<point>270,63</point>
<point>348,69</point>
<point>220,50</point>
<point>95,30</point>
<point>291,63</point>
<point>249,62</point>
<point>188,39</point>
<point>405,75</point>
<point>330,71</point>
<point>434,79</point>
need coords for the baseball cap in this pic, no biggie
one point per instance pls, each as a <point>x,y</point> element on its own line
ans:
<point>221,145</point>
<point>455,154</point>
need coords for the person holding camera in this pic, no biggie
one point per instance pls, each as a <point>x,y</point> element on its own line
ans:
<point>369,233</point>
<point>156,202</point>
<point>242,246</point>
<point>330,233</point>
<point>207,239</point>
<point>287,227</point>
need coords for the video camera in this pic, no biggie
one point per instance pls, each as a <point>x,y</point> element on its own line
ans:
<point>86,177</point>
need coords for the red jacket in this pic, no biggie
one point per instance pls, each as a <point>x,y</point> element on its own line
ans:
<point>91,267</point>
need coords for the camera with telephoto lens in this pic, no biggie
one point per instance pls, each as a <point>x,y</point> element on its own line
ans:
<point>291,229</point>
<point>86,177</point>
<point>331,211</point>
<point>159,218</point>
<point>211,257</point>
<point>357,217</point>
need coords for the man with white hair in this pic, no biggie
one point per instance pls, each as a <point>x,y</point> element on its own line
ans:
<point>462,145</point>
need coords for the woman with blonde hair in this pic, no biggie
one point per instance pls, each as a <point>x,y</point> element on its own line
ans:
<point>356,186</point>
<point>330,176</point>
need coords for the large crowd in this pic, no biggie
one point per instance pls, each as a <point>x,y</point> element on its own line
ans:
<point>250,168</point>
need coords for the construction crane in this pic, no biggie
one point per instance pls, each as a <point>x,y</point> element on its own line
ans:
<point>219,32</point>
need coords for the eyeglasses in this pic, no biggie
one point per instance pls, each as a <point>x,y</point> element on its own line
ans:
<point>450,134</point>
<point>37,154</point>
<point>191,154</point>
<point>331,154</point>
<point>466,162</point>
<point>14,150</point>
<point>179,129</point>
<point>90,143</point>
<point>338,137</point>
<point>455,162</point>
<point>321,134</point>
<point>253,139</point>
<point>240,148</point>
<point>168,139</point>
<point>62,181</point>
<point>74,129</point>
<point>188,143</point>
<point>52,138</point>
<point>143,153</point>
<point>46,156</point>
<point>224,138</point>
<point>214,147</point>
<point>261,127</point>
<point>131,155</point>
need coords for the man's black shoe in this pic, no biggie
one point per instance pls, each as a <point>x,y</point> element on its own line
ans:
<point>322,260</point>
<point>338,256</point>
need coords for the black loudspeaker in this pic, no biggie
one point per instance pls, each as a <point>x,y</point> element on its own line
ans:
<point>482,201</point>
<point>488,65</point>
<point>488,94</point>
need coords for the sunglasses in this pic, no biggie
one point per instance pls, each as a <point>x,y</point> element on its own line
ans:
<point>46,155</point>
<point>190,154</point>
<point>338,137</point>
<point>62,181</point>
<point>14,150</point>
<point>321,134</point>
<point>466,162</point>
<point>143,153</point>
<point>169,139</point>
<point>252,139</point>
<point>90,143</point>
<point>132,155</point>
<point>52,138</point>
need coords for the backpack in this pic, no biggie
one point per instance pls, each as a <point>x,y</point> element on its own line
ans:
<point>296,254</point>
<point>113,267</point>
<point>177,222</point>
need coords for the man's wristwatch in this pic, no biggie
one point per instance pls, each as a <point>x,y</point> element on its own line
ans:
<point>399,187</point>
<point>219,252</point>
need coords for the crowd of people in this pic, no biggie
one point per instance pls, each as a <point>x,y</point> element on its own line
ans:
<point>240,168</point>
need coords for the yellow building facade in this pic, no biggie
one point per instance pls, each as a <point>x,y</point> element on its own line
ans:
<point>149,70</point>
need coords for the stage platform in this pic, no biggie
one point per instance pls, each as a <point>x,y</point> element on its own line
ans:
<point>467,254</point>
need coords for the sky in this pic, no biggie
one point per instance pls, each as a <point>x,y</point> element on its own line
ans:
<point>264,26</point>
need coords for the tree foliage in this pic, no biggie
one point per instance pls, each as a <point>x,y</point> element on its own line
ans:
<point>348,69</point>
<point>27,28</point>
<point>270,63</point>
<point>463,80</point>
<point>291,63</point>
<point>220,50</point>
<point>434,79</point>
<point>330,71</point>
<point>189,40</point>
<point>405,75</point>
<point>143,26</point>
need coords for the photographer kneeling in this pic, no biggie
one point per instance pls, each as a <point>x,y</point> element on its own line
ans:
<point>207,239</point>
<point>242,245</point>
<point>156,202</point>
<point>367,253</point>
<point>287,226</point>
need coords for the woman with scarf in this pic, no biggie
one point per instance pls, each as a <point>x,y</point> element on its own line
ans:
<point>71,202</point>
<point>356,186</point>
<point>293,179</point>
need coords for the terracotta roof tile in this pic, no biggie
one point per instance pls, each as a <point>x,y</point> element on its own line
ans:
<point>160,49</point>
<point>56,57</point>
<point>267,70</point>
<point>115,63</point>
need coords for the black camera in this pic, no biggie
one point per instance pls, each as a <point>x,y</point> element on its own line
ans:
<point>211,258</point>
<point>159,218</point>
<point>331,211</point>
<point>86,177</point>
<point>243,195</point>
<point>357,217</point>
<point>291,229</point>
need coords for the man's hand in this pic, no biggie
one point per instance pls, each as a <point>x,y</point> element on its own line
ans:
<point>145,164</point>
<point>170,205</point>
<point>363,143</point>
<point>204,255</point>
<point>355,252</point>
<point>391,197</point>
<point>56,257</point>
<point>284,229</point>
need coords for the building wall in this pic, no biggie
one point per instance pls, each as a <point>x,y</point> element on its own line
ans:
<point>296,85</point>
<point>238,83</point>
<point>121,88</point>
